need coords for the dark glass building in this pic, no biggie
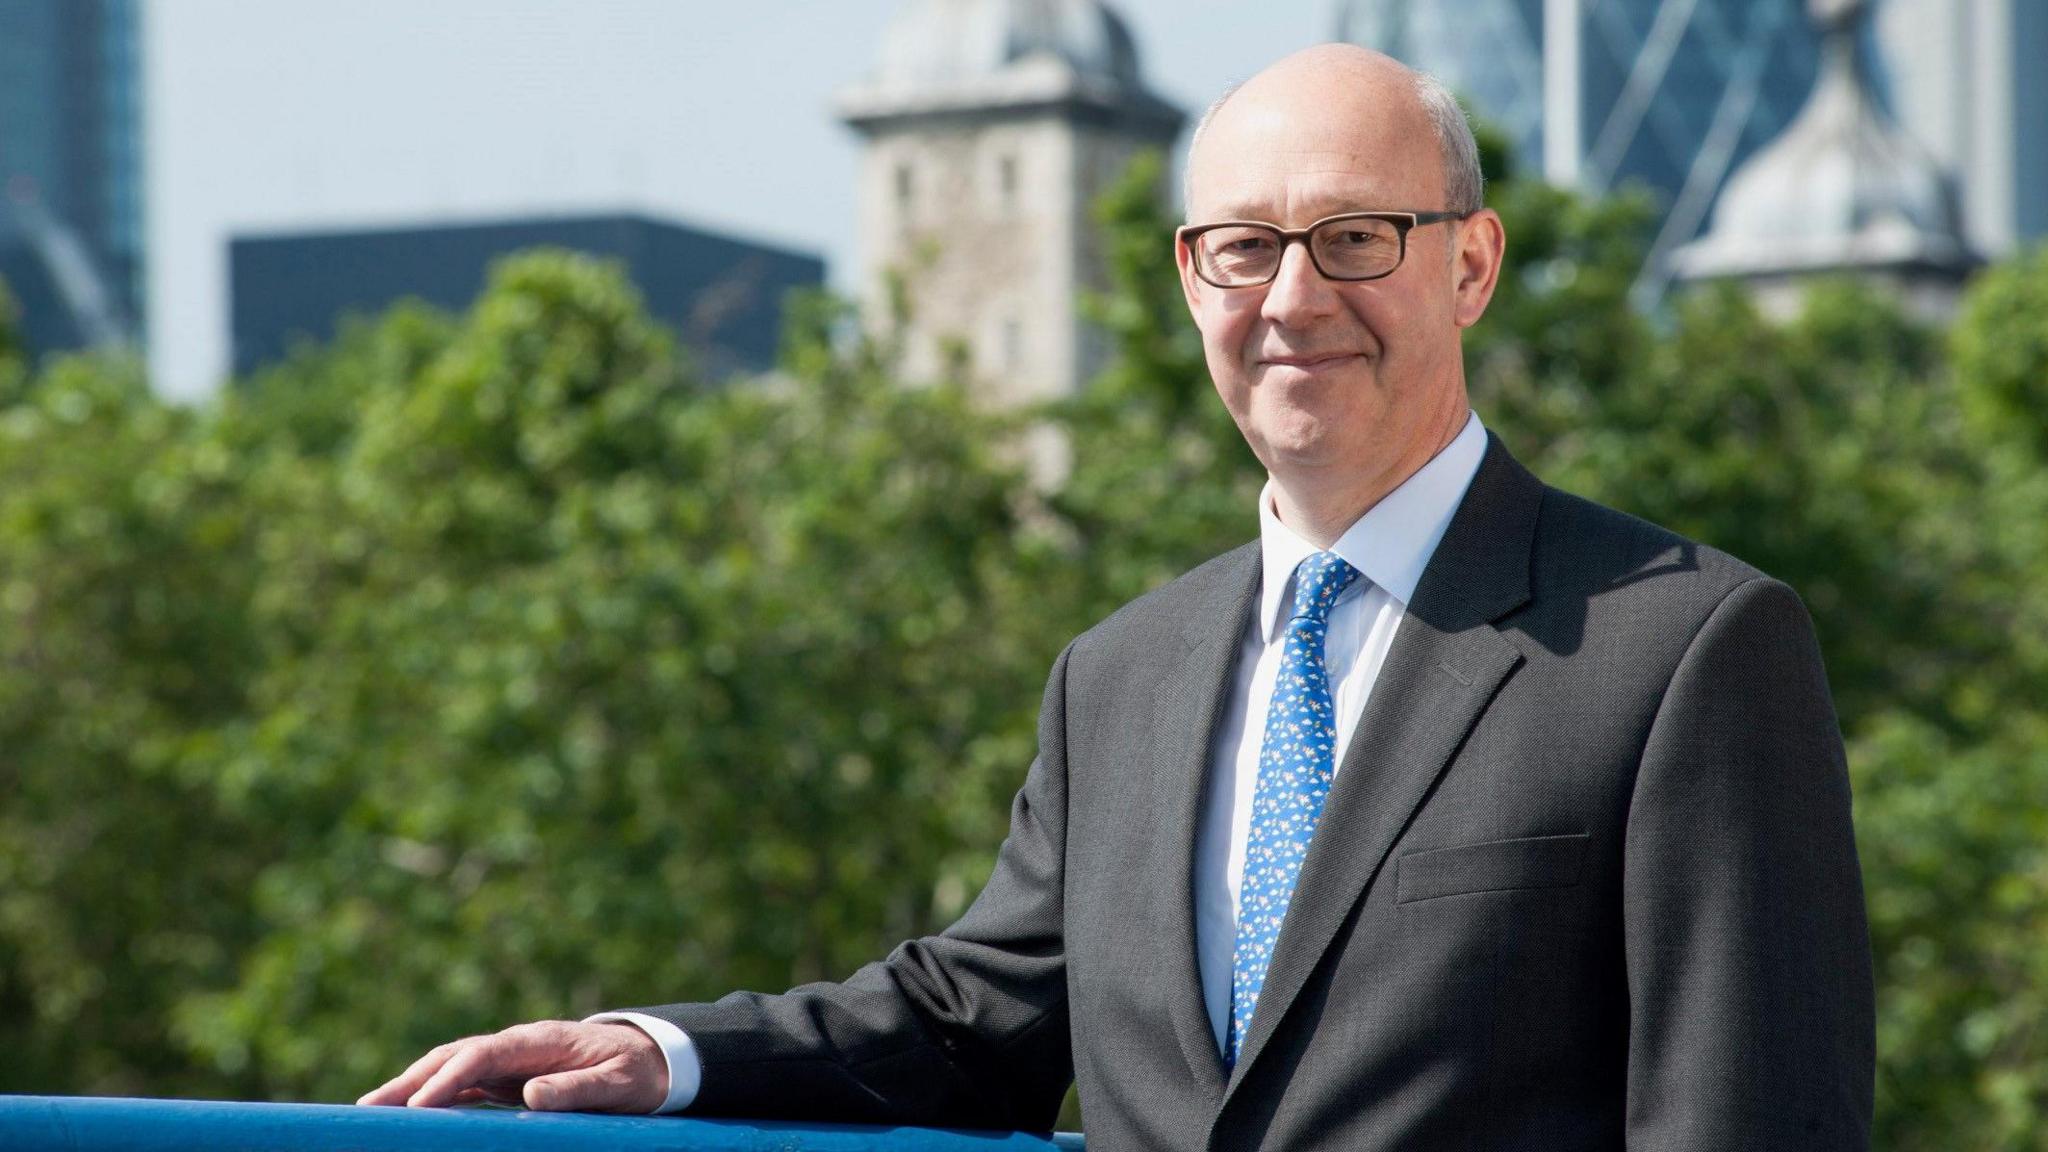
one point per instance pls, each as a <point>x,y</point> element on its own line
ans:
<point>1598,94</point>
<point>722,296</point>
<point>71,243</point>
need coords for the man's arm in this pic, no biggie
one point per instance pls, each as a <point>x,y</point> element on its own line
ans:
<point>967,1028</point>
<point>1749,970</point>
<point>964,1029</point>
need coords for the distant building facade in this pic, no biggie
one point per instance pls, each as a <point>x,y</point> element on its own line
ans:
<point>71,237</point>
<point>1594,94</point>
<point>1968,79</point>
<point>990,129</point>
<point>722,296</point>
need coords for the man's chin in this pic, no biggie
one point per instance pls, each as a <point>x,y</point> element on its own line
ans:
<point>1299,450</point>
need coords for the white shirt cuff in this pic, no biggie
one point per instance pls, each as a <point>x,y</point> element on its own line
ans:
<point>685,1068</point>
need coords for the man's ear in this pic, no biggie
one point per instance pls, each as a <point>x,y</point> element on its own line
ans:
<point>1482,243</point>
<point>1190,285</point>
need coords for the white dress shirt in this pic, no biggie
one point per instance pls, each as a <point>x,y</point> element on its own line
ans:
<point>1390,546</point>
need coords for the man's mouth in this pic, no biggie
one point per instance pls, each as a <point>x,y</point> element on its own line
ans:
<point>1310,363</point>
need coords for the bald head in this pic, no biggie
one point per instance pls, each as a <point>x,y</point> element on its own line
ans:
<point>1343,386</point>
<point>1352,90</point>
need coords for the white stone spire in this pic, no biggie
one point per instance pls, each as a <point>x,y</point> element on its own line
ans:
<point>1842,190</point>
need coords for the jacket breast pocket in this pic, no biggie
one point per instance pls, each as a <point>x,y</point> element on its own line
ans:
<point>1497,865</point>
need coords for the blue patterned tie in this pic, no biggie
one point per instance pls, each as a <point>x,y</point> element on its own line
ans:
<point>1296,765</point>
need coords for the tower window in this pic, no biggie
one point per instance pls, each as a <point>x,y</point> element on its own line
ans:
<point>1013,343</point>
<point>906,188</point>
<point>1006,181</point>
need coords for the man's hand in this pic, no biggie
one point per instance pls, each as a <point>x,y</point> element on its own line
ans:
<point>550,1066</point>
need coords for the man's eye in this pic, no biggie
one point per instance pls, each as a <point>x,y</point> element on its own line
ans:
<point>1358,239</point>
<point>1248,246</point>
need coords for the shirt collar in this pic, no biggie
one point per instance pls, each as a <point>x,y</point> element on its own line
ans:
<point>1391,544</point>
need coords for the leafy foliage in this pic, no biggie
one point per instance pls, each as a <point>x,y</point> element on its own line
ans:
<point>487,668</point>
<point>119,639</point>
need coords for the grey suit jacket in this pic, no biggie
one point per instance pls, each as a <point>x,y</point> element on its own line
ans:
<point>1586,880</point>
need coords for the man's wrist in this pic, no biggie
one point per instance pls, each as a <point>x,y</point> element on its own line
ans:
<point>685,1069</point>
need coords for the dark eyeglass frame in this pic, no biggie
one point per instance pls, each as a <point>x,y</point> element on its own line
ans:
<point>1402,222</point>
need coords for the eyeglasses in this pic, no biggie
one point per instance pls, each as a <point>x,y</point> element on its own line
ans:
<point>1350,246</point>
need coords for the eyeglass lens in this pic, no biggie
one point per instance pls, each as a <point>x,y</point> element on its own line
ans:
<point>1355,249</point>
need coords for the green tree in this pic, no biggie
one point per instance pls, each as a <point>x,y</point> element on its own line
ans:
<point>591,684</point>
<point>1160,478</point>
<point>120,636</point>
<point>1953,824</point>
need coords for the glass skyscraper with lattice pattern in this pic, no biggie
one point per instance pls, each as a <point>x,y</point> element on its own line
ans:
<point>71,183</point>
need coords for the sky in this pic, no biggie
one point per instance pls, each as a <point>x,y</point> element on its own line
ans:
<point>308,115</point>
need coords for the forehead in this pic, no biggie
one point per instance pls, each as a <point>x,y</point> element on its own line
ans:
<point>1295,161</point>
<point>1295,188</point>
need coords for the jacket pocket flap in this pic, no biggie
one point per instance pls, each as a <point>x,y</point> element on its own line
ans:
<point>1534,862</point>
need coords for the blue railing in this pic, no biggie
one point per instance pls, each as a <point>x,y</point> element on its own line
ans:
<point>94,1124</point>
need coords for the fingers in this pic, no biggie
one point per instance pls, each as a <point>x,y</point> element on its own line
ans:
<point>632,1077</point>
<point>513,1054</point>
<point>493,1092</point>
<point>403,1085</point>
<point>617,1085</point>
<point>577,1067</point>
<point>499,1064</point>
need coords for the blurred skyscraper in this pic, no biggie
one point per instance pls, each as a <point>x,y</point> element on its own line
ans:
<point>1593,94</point>
<point>1968,80</point>
<point>71,244</point>
<point>722,296</point>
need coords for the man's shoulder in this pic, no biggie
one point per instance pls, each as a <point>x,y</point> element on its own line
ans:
<point>1648,574</point>
<point>1518,540</point>
<point>1218,584</point>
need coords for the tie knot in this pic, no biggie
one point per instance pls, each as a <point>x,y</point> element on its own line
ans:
<point>1317,581</point>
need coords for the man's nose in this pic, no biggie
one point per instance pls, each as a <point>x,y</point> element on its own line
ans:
<point>1298,292</point>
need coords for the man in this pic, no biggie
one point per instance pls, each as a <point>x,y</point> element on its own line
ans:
<point>1454,812</point>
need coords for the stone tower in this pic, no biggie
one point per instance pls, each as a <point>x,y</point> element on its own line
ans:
<point>990,127</point>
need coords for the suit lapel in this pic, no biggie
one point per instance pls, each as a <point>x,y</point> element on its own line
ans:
<point>1188,701</point>
<point>1445,665</point>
